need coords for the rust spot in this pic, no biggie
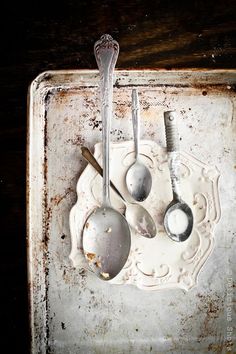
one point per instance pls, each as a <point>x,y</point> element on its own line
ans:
<point>70,276</point>
<point>90,256</point>
<point>77,141</point>
<point>62,93</point>
<point>211,306</point>
<point>94,122</point>
<point>204,93</point>
<point>98,264</point>
<point>58,198</point>
<point>47,219</point>
<point>45,167</point>
<point>87,225</point>
<point>219,347</point>
<point>121,110</point>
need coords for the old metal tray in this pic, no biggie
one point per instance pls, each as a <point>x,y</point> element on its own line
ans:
<point>71,310</point>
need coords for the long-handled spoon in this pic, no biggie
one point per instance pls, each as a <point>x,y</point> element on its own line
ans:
<point>178,219</point>
<point>136,215</point>
<point>138,177</point>
<point>106,234</point>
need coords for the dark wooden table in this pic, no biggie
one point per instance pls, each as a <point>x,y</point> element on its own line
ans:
<point>60,35</point>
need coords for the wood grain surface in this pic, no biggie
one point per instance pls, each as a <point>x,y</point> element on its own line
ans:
<point>43,35</point>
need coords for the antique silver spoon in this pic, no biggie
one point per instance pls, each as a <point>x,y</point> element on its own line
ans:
<point>138,177</point>
<point>178,219</point>
<point>106,233</point>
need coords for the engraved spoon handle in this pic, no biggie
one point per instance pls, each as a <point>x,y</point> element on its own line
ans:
<point>172,142</point>
<point>106,52</point>
<point>135,120</point>
<point>86,153</point>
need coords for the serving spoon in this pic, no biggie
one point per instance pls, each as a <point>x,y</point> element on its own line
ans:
<point>138,177</point>
<point>106,234</point>
<point>178,218</point>
<point>136,215</point>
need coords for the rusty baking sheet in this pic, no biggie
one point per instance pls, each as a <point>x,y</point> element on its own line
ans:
<point>71,310</point>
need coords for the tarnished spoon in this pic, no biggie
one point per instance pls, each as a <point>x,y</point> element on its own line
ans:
<point>138,177</point>
<point>106,233</point>
<point>178,219</point>
<point>136,215</point>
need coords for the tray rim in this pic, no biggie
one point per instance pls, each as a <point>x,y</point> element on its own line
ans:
<point>190,74</point>
<point>39,87</point>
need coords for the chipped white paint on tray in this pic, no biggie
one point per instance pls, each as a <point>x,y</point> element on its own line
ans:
<point>71,310</point>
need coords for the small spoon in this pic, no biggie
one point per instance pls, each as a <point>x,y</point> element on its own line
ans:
<point>178,219</point>
<point>106,234</point>
<point>138,177</point>
<point>136,215</point>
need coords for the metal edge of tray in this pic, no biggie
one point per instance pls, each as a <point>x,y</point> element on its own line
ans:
<point>39,89</point>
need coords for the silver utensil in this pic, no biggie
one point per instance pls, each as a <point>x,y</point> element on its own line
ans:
<point>136,215</point>
<point>138,177</point>
<point>106,233</point>
<point>178,219</point>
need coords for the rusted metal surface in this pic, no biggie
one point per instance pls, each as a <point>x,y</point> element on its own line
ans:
<point>71,310</point>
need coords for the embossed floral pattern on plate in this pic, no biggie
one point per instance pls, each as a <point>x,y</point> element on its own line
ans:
<point>156,263</point>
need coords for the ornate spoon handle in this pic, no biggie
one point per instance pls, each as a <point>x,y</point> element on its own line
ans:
<point>172,142</point>
<point>106,52</point>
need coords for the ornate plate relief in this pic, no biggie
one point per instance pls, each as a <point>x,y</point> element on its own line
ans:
<point>156,263</point>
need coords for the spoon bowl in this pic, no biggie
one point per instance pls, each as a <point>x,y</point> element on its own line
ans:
<point>105,242</point>
<point>187,225</point>
<point>140,220</point>
<point>139,181</point>
<point>138,176</point>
